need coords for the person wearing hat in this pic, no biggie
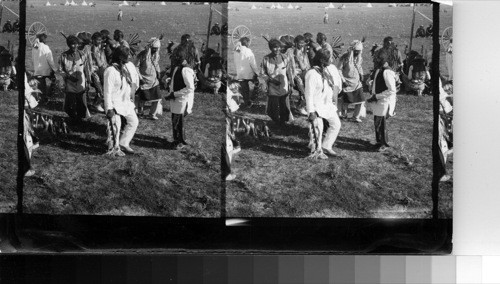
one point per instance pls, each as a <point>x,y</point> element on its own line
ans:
<point>420,31</point>
<point>389,53</point>
<point>120,82</point>
<point>215,29</point>
<point>276,72</point>
<point>383,102</point>
<point>147,63</point>
<point>352,81</point>
<point>74,66</point>
<point>44,65</point>
<point>7,28</point>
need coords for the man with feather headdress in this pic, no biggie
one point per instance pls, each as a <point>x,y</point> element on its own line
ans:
<point>147,63</point>
<point>352,77</point>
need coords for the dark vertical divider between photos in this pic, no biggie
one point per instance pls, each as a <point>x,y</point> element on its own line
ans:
<point>21,70</point>
<point>437,168</point>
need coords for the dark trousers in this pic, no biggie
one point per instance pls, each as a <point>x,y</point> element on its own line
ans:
<point>178,128</point>
<point>245,91</point>
<point>75,105</point>
<point>42,86</point>
<point>380,130</point>
<point>278,108</point>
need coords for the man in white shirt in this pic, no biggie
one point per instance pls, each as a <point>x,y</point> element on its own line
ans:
<point>246,68</point>
<point>121,80</point>
<point>323,84</point>
<point>43,63</point>
<point>383,102</point>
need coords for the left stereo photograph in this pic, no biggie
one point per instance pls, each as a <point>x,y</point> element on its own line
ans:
<point>124,108</point>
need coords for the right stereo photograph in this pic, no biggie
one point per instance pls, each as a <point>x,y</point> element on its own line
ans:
<point>330,111</point>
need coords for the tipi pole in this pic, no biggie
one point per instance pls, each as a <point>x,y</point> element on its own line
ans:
<point>209,25</point>
<point>412,27</point>
<point>1,12</point>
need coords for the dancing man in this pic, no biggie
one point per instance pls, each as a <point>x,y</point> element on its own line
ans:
<point>323,84</point>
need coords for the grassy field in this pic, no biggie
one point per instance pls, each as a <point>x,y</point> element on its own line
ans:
<point>8,124</point>
<point>273,177</point>
<point>74,177</point>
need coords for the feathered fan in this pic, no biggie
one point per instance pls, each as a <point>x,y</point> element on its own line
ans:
<point>337,46</point>
<point>133,42</point>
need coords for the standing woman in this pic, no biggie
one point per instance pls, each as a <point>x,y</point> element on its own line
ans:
<point>120,83</point>
<point>276,71</point>
<point>74,66</point>
<point>149,69</point>
<point>383,102</point>
<point>182,98</point>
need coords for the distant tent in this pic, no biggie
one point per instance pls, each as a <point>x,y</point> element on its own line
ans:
<point>124,3</point>
<point>253,7</point>
<point>73,3</point>
<point>206,3</point>
<point>331,6</point>
<point>290,6</point>
<point>84,3</point>
<point>260,7</point>
<point>163,3</point>
<point>273,7</point>
<point>137,3</point>
<point>67,3</point>
<point>342,7</point>
<point>48,4</point>
<point>297,7</point>
<point>392,5</point>
<point>279,6</point>
<point>369,5</point>
<point>411,5</point>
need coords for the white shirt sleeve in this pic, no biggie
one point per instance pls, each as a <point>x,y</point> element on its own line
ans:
<point>253,63</point>
<point>109,79</point>
<point>50,58</point>
<point>188,76</point>
<point>312,82</point>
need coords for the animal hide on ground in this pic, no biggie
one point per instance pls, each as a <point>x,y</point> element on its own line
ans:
<point>113,133</point>
<point>316,139</point>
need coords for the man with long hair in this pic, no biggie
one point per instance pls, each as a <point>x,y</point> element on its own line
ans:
<point>120,83</point>
<point>322,86</point>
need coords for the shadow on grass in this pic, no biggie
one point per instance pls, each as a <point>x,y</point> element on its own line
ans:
<point>147,141</point>
<point>353,144</point>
